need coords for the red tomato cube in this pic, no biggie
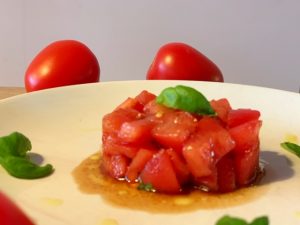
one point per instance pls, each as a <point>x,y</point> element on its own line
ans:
<point>153,108</point>
<point>219,138</point>
<point>145,97</point>
<point>179,165</point>
<point>131,103</point>
<point>160,174</point>
<point>137,131</point>
<point>112,122</point>
<point>239,116</point>
<point>246,151</point>
<point>112,147</point>
<point>138,163</point>
<point>198,155</point>
<point>222,108</point>
<point>226,174</point>
<point>115,165</point>
<point>174,129</point>
<point>208,183</point>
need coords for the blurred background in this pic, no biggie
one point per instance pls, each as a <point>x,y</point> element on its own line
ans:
<point>252,42</point>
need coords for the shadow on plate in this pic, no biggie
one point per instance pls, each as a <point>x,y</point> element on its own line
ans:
<point>35,158</point>
<point>277,167</point>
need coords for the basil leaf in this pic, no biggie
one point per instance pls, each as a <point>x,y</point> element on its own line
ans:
<point>263,220</point>
<point>291,147</point>
<point>228,220</point>
<point>145,187</point>
<point>14,158</point>
<point>15,144</point>
<point>185,98</point>
<point>23,168</point>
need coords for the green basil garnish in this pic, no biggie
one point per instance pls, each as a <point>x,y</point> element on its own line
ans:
<point>228,220</point>
<point>14,158</point>
<point>145,187</point>
<point>186,99</point>
<point>291,147</point>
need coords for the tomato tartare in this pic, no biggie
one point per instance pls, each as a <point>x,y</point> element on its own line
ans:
<point>171,150</point>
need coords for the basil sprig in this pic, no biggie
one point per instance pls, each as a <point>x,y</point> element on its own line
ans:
<point>291,147</point>
<point>186,99</point>
<point>14,158</point>
<point>145,187</point>
<point>228,220</point>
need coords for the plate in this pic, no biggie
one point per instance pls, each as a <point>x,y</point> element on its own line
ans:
<point>64,126</point>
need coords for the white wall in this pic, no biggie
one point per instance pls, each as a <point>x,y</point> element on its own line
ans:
<point>253,42</point>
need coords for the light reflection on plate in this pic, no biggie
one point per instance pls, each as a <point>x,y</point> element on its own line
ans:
<point>64,126</point>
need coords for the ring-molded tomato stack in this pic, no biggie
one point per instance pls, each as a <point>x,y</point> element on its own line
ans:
<point>172,150</point>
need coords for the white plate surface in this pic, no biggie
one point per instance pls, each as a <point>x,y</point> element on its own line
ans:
<point>64,126</point>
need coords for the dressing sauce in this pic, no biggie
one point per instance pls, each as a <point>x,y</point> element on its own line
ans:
<point>91,180</point>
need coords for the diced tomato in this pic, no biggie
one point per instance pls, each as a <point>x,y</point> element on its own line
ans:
<point>113,121</point>
<point>174,129</point>
<point>138,163</point>
<point>226,174</point>
<point>153,108</point>
<point>137,131</point>
<point>245,135</point>
<point>112,147</point>
<point>198,155</point>
<point>247,165</point>
<point>210,143</point>
<point>144,141</point>
<point>246,151</point>
<point>160,174</point>
<point>180,168</point>
<point>131,103</point>
<point>240,116</point>
<point>221,107</point>
<point>115,165</point>
<point>222,178</point>
<point>145,97</point>
<point>208,183</point>
<point>219,138</point>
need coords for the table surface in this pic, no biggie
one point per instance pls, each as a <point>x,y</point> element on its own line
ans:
<point>6,92</point>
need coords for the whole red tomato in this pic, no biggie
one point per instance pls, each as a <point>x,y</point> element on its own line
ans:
<point>179,61</point>
<point>10,214</point>
<point>62,63</point>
